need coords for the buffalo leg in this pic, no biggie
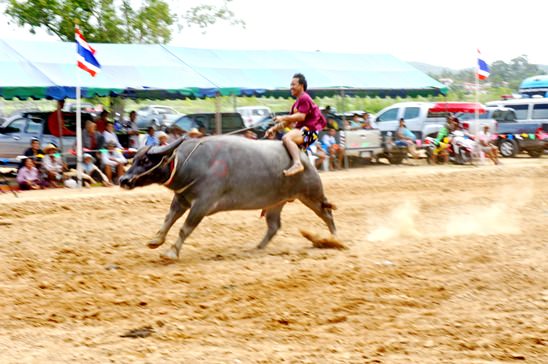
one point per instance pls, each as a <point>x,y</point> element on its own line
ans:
<point>323,212</point>
<point>274,222</point>
<point>197,212</point>
<point>176,210</point>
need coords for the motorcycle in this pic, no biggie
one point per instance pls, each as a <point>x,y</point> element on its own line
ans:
<point>462,147</point>
<point>459,147</point>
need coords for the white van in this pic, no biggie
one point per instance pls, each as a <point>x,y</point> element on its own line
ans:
<point>253,114</point>
<point>424,119</point>
<point>531,110</point>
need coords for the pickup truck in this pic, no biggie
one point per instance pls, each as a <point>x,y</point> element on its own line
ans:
<point>17,132</point>
<point>513,136</point>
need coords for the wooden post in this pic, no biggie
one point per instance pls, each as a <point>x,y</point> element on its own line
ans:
<point>218,118</point>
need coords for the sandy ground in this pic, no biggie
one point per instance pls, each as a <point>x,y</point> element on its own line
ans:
<point>445,264</point>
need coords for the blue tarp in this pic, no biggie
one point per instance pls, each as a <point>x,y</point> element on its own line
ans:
<point>48,70</point>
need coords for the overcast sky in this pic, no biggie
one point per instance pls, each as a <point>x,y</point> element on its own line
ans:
<point>444,33</point>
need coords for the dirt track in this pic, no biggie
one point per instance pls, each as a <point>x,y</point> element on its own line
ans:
<point>445,265</point>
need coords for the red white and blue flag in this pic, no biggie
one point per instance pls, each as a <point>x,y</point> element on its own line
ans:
<point>86,55</point>
<point>483,68</point>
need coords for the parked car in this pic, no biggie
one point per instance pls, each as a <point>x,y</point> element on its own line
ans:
<point>231,122</point>
<point>157,116</point>
<point>252,114</point>
<point>17,132</point>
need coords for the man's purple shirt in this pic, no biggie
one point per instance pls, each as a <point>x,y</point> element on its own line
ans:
<point>314,119</point>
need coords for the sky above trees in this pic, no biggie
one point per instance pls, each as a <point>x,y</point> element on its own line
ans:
<point>444,33</point>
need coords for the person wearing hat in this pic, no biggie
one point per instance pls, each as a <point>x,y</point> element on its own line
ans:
<point>53,166</point>
<point>92,173</point>
<point>113,161</point>
<point>162,138</point>
<point>194,133</point>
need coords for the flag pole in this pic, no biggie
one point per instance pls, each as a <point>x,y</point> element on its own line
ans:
<point>476,76</point>
<point>78,128</point>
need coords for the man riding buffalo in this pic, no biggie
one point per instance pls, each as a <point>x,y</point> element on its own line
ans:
<point>309,121</point>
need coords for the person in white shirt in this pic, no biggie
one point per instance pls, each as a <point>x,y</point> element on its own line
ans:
<point>110,136</point>
<point>484,142</point>
<point>53,166</point>
<point>113,161</point>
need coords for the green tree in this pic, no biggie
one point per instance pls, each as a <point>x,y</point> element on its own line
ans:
<point>114,21</point>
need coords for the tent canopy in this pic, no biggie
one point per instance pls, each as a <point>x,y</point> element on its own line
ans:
<point>48,70</point>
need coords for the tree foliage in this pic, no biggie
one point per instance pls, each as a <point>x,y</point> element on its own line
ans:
<point>114,21</point>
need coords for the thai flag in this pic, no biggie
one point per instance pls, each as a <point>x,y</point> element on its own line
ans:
<point>483,68</point>
<point>86,55</point>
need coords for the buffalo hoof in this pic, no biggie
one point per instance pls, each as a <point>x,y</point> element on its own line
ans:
<point>153,244</point>
<point>169,255</point>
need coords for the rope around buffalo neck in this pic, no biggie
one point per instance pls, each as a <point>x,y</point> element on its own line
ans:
<point>174,170</point>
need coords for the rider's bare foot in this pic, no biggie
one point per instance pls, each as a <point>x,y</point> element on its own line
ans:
<point>294,169</point>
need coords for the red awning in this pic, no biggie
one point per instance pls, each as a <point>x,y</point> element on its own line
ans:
<point>455,107</point>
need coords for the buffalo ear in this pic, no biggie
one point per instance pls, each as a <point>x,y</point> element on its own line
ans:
<point>166,149</point>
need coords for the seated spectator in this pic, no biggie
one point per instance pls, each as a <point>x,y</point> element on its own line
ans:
<point>28,176</point>
<point>175,132</point>
<point>162,138</point>
<point>486,147</point>
<point>150,139</point>
<point>110,136</point>
<point>35,152</point>
<point>356,122</point>
<point>334,150</point>
<point>113,161</point>
<point>366,123</point>
<point>92,173</point>
<point>91,139</point>
<point>408,138</point>
<point>53,167</point>
<point>316,155</point>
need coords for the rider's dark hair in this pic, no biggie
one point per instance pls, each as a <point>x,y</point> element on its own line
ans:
<point>302,80</point>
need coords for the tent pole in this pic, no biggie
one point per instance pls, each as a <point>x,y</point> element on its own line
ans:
<point>342,128</point>
<point>218,122</point>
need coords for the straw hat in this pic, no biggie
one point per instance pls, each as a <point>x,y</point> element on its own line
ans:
<point>194,132</point>
<point>49,146</point>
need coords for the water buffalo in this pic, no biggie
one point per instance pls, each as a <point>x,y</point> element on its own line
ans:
<point>221,173</point>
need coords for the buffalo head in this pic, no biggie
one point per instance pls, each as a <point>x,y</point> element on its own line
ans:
<point>150,165</point>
